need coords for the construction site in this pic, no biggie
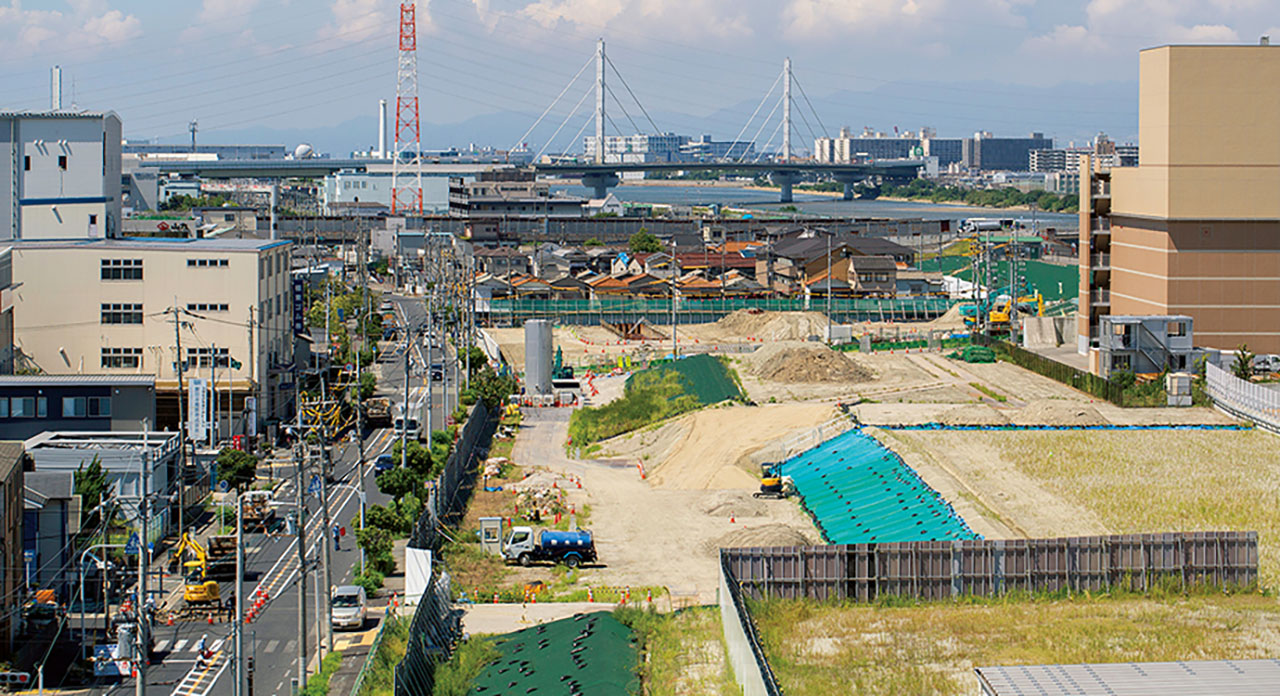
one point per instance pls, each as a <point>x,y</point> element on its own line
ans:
<point>929,439</point>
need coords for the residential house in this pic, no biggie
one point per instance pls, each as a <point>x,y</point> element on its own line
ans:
<point>32,404</point>
<point>553,261</point>
<point>608,206</point>
<point>502,261</point>
<point>52,514</point>
<point>912,283</point>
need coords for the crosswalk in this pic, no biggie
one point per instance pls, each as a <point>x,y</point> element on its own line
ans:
<point>341,642</point>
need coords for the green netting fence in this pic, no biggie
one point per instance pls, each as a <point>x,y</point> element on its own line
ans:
<point>707,378</point>
<point>692,310</point>
<point>586,654</point>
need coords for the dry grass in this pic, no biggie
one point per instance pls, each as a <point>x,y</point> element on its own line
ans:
<point>1159,481</point>
<point>932,649</point>
<point>684,653</point>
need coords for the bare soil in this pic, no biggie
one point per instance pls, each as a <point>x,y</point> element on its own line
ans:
<point>793,362</point>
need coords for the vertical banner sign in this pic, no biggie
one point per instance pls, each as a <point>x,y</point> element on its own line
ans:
<point>198,408</point>
<point>251,416</point>
<point>299,305</point>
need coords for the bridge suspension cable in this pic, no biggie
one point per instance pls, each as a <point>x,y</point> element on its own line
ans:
<point>737,138</point>
<point>763,123</point>
<point>822,127</point>
<point>577,106</point>
<point>624,113</point>
<point>634,98</point>
<point>553,103</point>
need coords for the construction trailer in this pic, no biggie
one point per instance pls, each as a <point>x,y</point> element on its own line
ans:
<point>1145,344</point>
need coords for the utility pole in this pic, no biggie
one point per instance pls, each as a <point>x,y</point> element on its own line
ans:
<point>179,366</point>
<point>302,539</point>
<point>600,101</point>
<point>675,348</point>
<point>404,410</point>
<point>364,278</point>
<point>143,634</point>
<point>786,110</point>
<point>239,622</point>
<point>325,607</point>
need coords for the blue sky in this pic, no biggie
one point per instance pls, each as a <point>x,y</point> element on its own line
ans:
<point>240,65</point>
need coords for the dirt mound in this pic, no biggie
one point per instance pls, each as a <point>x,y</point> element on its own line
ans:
<point>773,326</point>
<point>977,414</point>
<point>806,363</point>
<point>733,504</point>
<point>764,535</point>
<point>1057,413</point>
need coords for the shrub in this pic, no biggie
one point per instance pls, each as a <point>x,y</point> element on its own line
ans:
<point>454,678</point>
<point>371,580</point>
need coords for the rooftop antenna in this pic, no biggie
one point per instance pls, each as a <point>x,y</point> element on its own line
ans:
<point>193,127</point>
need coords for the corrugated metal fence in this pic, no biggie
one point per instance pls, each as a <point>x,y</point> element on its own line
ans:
<point>941,569</point>
<point>1243,399</point>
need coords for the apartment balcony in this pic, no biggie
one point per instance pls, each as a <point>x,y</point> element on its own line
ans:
<point>1100,298</point>
<point>1100,226</point>
<point>1100,262</point>
<point>1101,189</point>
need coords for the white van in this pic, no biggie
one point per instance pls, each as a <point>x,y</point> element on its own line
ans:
<point>349,607</point>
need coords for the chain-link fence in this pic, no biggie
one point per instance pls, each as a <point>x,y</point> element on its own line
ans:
<point>448,494</point>
<point>434,631</point>
<point>513,312</point>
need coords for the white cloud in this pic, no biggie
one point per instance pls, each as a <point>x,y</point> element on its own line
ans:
<point>89,26</point>
<point>1117,27</point>
<point>221,10</point>
<point>356,20</point>
<point>685,19</point>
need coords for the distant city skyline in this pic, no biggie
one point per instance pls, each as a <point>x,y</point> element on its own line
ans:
<point>489,67</point>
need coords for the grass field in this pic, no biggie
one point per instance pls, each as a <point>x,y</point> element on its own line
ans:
<point>1159,481</point>
<point>820,650</point>
<point>684,652</point>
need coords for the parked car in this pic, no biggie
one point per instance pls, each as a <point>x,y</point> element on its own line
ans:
<point>384,462</point>
<point>350,607</point>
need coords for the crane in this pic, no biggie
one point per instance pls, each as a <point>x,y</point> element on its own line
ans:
<point>199,589</point>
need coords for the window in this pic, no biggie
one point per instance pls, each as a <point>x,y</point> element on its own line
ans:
<point>199,357</point>
<point>93,219</point>
<point>121,313</point>
<point>1177,328</point>
<point>119,269</point>
<point>4,407</point>
<point>228,217</point>
<point>26,163</point>
<point>1120,362</point>
<point>207,263</point>
<point>207,307</point>
<point>882,277</point>
<point>86,406</point>
<point>864,277</point>
<point>62,162</point>
<point>29,407</point>
<point>121,357</point>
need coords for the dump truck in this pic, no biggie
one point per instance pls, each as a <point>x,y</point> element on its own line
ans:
<point>570,548</point>
<point>258,513</point>
<point>377,412</point>
<point>222,557</point>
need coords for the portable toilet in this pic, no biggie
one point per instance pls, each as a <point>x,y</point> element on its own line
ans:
<point>491,534</point>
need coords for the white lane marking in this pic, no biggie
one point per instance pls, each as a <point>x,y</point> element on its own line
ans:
<point>217,645</point>
<point>291,646</point>
<point>161,645</point>
<point>271,646</point>
<point>178,646</point>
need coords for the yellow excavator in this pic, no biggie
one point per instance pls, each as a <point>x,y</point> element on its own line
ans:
<point>199,589</point>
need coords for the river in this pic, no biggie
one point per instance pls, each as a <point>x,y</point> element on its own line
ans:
<point>809,204</point>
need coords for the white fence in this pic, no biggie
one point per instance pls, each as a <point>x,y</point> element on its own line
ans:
<point>1243,399</point>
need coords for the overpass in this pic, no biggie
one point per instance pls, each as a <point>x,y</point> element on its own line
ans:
<point>313,168</point>
<point>602,176</point>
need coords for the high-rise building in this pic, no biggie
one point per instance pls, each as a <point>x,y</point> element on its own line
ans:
<point>988,153</point>
<point>1194,229</point>
<point>61,175</point>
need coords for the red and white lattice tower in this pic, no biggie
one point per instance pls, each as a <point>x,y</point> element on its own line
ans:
<point>406,163</point>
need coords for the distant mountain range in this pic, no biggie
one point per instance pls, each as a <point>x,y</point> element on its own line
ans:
<point>1068,112</point>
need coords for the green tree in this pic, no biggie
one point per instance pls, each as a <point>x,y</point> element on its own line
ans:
<point>419,458</point>
<point>237,468</point>
<point>375,541</point>
<point>593,242</point>
<point>91,485</point>
<point>398,481</point>
<point>1243,365</point>
<point>644,242</point>
<point>387,518</point>
<point>368,381</point>
<point>1123,379</point>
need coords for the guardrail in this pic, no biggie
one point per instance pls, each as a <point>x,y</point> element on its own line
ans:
<point>750,666</point>
<point>1242,398</point>
<point>985,567</point>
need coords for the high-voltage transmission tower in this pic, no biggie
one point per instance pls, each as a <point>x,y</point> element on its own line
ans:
<point>407,197</point>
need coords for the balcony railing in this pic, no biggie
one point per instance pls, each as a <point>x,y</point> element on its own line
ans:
<point>1100,225</point>
<point>1100,262</point>
<point>1100,297</point>
<point>1102,189</point>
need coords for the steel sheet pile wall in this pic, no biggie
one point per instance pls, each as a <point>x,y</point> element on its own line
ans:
<point>434,631</point>
<point>746,654</point>
<point>941,569</point>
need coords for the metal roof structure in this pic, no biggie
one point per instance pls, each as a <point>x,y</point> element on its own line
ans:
<point>209,244</point>
<point>1192,678</point>
<point>76,380</point>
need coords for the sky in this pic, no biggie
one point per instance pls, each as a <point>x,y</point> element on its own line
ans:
<point>280,69</point>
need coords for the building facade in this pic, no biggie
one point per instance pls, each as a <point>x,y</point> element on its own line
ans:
<point>986,152</point>
<point>12,563</point>
<point>32,404</point>
<point>60,177</point>
<point>108,307</point>
<point>1194,229</point>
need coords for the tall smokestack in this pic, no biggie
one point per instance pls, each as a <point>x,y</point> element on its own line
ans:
<point>382,128</point>
<point>55,89</point>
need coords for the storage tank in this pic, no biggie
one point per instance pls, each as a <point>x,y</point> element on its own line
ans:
<point>537,356</point>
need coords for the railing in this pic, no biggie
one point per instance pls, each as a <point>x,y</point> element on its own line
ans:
<point>373,651</point>
<point>1100,297</point>
<point>1100,262</point>
<point>1100,225</point>
<point>985,567</point>
<point>1242,398</point>
<point>1061,372</point>
<point>746,654</point>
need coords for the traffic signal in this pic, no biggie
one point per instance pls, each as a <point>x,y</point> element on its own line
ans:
<point>15,678</point>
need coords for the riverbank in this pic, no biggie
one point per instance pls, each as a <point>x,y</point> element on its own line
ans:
<point>962,204</point>
<point>685,183</point>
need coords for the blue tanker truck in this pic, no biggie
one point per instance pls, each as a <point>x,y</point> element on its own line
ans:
<point>570,548</point>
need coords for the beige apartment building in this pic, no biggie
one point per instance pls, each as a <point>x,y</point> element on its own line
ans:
<point>108,306</point>
<point>1194,229</point>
